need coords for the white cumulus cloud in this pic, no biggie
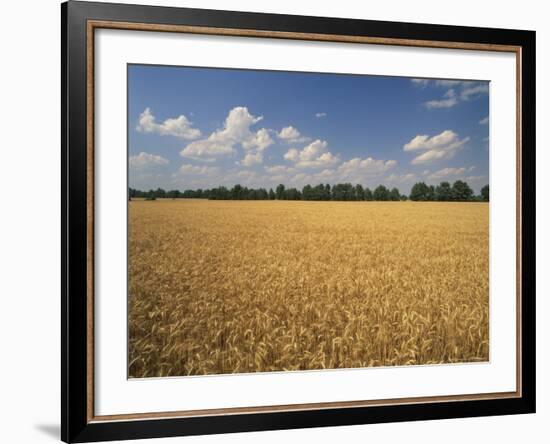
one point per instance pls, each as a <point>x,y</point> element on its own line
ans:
<point>450,99</point>
<point>314,155</point>
<point>290,134</point>
<point>357,168</point>
<point>260,140</point>
<point>236,130</point>
<point>177,127</point>
<point>447,173</point>
<point>441,146</point>
<point>422,83</point>
<point>279,169</point>
<point>145,160</point>
<point>474,91</point>
<point>449,83</point>
<point>195,170</point>
<point>401,178</point>
<point>252,159</point>
<point>458,91</point>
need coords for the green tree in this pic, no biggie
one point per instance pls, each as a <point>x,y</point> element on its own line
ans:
<point>359,192</point>
<point>337,193</point>
<point>328,192</point>
<point>381,193</point>
<point>461,191</point>
<point>395,195</point>
<point>237,192</point>
<point>443,192</point>
<point>419,192</point>
<point>173,194</point>
<point>160,193</point>
<point>485,193</point>
<point>292,194</point>
<point>343,191</point>
<point>307,192</point>
<point>368,194</point>
<point>220,193</point>
<point>280,191</point>
<point>271,194</point>
<point>318,192</point>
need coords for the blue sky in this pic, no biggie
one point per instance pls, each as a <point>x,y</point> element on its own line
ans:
<point>205,127</point>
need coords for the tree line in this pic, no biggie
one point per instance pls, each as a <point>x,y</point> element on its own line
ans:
<point>459,191</point>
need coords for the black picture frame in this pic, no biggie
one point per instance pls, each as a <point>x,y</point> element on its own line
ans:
<point>76,424</point>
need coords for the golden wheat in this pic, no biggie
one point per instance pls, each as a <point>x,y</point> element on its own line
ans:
<point>250,286</point>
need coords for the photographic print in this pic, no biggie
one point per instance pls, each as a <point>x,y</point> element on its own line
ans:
<point>274,222</point>
<point>289,221</point>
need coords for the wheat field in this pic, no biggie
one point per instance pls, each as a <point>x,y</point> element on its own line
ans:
<point>256,286</point>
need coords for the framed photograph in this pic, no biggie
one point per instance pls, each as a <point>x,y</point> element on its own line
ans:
<point>275,221</point>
